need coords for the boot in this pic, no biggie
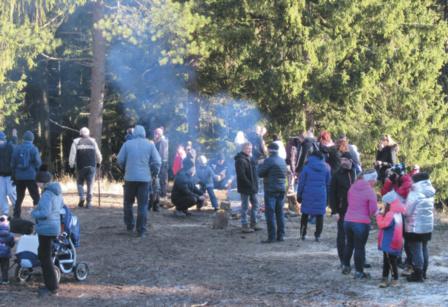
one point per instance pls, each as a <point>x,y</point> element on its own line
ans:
<point>302,233</point>
<point>255,227</point>
<point>407,271</point>
<point>81,203</point>
<point>417,276</point>
<point>383,283</point>
<point>246,229</point>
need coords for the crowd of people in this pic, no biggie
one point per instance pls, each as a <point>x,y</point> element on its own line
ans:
<point>321,173</point>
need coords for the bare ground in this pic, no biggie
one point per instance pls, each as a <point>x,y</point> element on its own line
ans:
<point>184,262</point>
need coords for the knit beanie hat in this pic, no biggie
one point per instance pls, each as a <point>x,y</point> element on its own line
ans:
<point>273,147</point>
<point>420,177</point>
<point>2,136</point>
<point>4,223</point>
<point>28,136</point>
<point>84,132</point>
<point>390,197</point>
<point>347,155</point>
<point>399,169</point>
<point>43,175</point>
<point>370,175</point>
<point>187,164</point>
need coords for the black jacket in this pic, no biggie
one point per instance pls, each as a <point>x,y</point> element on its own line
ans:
<point>246,177</point>
<point>184,188</point>
<point>273,170</point>
<point>341,181</point>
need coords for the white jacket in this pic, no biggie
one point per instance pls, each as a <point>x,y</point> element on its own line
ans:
<point>420,208</point>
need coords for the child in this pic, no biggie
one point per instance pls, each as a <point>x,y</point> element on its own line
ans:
<point>390,236</point>
<point>6,243</point>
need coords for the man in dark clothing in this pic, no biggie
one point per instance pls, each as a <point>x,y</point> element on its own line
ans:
<point>341,181</point>
<point>222,169</point>
<point>273,170</point>
<point>85,155</point>
<point>255,137</point>
<point>185,194</point>
<point>308,145</point>
<point>247,186</point>
<point>161,143</point>
<point>7,191</point>
<point>292,161</point>
<point>24,164</point>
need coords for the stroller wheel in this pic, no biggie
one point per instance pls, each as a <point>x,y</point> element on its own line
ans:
<point>81,271</point>
<point>22,274</point>
<point>57,270</point>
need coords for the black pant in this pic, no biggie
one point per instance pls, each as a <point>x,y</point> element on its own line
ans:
<point>44,252</point>
<point>319,225</point>
<point>163,177</point>
<point>390,265</point>
<point>340,238</point>
<point>21,186</point>
<point>187,201</point>
<point>4,264</point>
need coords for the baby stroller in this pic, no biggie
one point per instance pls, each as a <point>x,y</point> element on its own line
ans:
<point>64,251</point>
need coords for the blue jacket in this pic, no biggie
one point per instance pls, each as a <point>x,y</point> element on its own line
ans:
<point>34,163</point>
<point>6,243</point>
<point>314,182</point>
<point>273,170</point>
<point>48,210</point>
<point>205,175</point>
<point>139,158</point>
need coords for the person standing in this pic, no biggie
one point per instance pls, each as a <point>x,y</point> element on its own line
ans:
<point>273,170</point>
<point>247,186</point>
<point>362,206</point>
<point>85,155</point>
<point>6,186</point>
<point>178,158</point>
<point>341,182</point>
<point>312,191</point>
<point>386,156</point>
<point>281,147</point>
<point>24,165</point>
<point>48,226</point>
<point>161,143</point>
<point>141,161</point>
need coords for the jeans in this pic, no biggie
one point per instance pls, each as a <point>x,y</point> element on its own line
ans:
<point>7,191</point>
<point>357,235</point>
<point>340,239</point>
<point>133,189</point>
<point>211,194</point>
<point>21,186</point>
<point>4,265</point>
<point>304,225</point>
<point>163,178</point>
<point>45,251</point>
<point>390,265</point>
<point>419,254</point>
<point>274,213</point>
<point>86,175</point>
<point>245,207</point>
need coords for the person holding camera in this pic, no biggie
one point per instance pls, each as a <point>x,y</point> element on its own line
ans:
<point>398,181</point>
<point>386,156</point>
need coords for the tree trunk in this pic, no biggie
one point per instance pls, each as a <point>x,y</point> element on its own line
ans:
<point>98,76</point>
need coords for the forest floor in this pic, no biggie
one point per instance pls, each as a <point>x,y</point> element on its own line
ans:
<point>185,262</point>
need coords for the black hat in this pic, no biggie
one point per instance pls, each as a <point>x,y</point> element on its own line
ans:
<point>347,155</point>
<point>43,175</point>
<point>273,147</point>
<point>187,164</point>
<point>420,177</point>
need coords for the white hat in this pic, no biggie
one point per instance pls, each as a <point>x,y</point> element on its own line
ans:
<point>390,197</point>
<point>370,175</point>
<point>84,132</point>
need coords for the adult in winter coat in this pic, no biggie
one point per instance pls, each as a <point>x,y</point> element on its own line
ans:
<point>308,144</point>
<point>206,178</point>
<point>398,181</point>
<point>141,161</point>
<point>362,206</point>
<point>312,191</point>
<point>185,194</point>
<point>25,163</point>
<point>7,191</point>
<point>341,182</point>
<point>419,223</point>
<point>386,156</point>
<point>247,186</point>
<point>85,155</point>
<point>292,161</point>
<point>273,171</point>
<point>48,226</point>
<point>353,150</point>
<point>390,236</point>
<point>161,143</point>
<point>281,147</point>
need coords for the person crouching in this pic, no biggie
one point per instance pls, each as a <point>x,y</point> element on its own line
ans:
<point>390,236</point>
<point>185,194</point>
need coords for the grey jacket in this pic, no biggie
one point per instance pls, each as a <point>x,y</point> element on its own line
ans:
<point>139,157</point>
<point>420,208</point>
<point>48,210</point>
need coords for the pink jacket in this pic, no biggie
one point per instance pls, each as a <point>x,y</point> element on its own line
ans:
<point>361,202</point>
<point>390,235</point>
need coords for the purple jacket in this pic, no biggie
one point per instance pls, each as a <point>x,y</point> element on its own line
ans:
<point>362,202</point>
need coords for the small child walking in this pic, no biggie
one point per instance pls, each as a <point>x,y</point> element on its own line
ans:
<point>6,243</point>
<point>390,236</point>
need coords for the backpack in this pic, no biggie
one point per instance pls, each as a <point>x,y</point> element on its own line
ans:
<point>5,159</point>
<point>24,158</point>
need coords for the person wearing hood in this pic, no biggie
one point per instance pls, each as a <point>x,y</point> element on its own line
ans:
<point>85,155</point>
<point>312,191</point>
<point>25,163</point>
<point>141,161</point>
<point>6,184</point>
<point>206,178</point>
<point>419,224</point>
<point>341,182</point>
<point>362,206</point>
<point>308,144</point>
<point>185,194</point>
<point>390,236</point>
<point>48,227</point>
<point>273,170</point>
<point>247,186</point>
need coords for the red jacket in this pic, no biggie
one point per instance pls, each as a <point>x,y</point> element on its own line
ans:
<point>402,190</point>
